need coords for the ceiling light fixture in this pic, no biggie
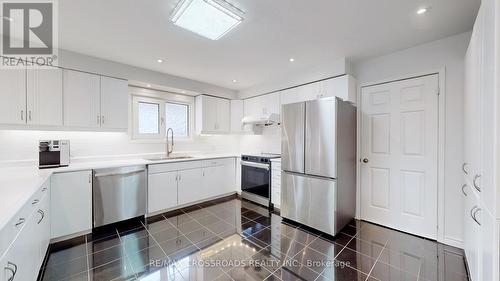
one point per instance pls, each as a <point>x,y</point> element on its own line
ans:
<point>7,18</point>
<point>234,81</point>
<point>421,11</point>
<point>209,18</point>
<point>148,85</point>
<point>291,59</point>
<point>159,60</point>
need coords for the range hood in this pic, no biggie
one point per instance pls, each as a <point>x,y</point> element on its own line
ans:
<point>265,119</point>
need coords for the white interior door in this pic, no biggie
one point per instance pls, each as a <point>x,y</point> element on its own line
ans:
<point>399,140</point>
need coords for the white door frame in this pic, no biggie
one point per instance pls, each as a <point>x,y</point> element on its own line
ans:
<point>441,146</point>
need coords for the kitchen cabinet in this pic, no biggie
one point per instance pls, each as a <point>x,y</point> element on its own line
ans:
<point>176,184</point>
<point>162,191</point>
<point>114,103</point>
<point>276,182</point>
<point>93,101</point>
<point>24,257</point>
<point>190,187</point>
<point>343,87</point>
<point>81,99</point>
<point>212,115</point>
<point>13,97</point>
<point>481,236</point>
<point>71,203</point>
<point>262,105</point>
<point>45,97</point>
<point>236,116</point>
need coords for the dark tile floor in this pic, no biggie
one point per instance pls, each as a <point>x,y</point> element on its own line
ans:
<point>237,240</point>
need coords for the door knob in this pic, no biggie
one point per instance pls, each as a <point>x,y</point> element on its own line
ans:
<point>365,160</point>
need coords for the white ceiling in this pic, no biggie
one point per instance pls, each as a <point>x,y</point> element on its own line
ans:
<point>311,31</point>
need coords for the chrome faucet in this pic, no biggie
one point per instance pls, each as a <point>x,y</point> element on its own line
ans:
<point>169,148</point>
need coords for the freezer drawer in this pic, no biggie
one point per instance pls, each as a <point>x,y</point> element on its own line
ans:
<point>119,194</point>
<point>310,201</point>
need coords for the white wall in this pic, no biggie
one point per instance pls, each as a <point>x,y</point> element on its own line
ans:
<point>137,75</point>
<point>447,53</point>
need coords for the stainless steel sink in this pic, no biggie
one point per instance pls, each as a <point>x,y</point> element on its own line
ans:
<point>163,158</point>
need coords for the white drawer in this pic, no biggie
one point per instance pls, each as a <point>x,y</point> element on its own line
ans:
<point>218,162</point>
<point>9,233</point>
<point>168,167</point>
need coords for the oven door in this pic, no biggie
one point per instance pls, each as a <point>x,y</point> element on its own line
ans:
<point>255,178</point>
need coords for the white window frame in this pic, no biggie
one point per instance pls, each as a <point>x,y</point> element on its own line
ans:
<point>161,98</point>
<point>161,120</point>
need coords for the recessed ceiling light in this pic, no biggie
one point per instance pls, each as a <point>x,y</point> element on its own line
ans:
<point>148,85</point>
<point>7,18</point>
<point>234,81</point>
<point>209,18</point>
<point>159,60</point>
<point>291,59</point>
<point>421,11</point>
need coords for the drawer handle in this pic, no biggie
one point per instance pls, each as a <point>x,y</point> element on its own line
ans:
<point>13,271</point>
<point>464,166</point>
<point>474,181</point>
<point>463,189</point>
<point>35,202</point>
<point>43,216</point>
<point>20,221</point>
<point>474,216</point>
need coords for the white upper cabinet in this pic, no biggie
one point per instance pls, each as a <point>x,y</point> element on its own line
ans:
<point>81,99</point>
<point>343,87</point>
<point>262,105</point>
<point>212,115</point>
<point>13,96</point>
<point>114,103</point>
<point>93,101</point>
<point>45,97</point>
<point>236,116</point>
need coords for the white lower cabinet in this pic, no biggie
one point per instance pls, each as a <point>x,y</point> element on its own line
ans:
<point>71,203</point>
<point>190,187</point>
<point>25,255</point>
<point>162,191</point>
<point>174,184</point>
<point>276,183</point>
<point>472,234</point>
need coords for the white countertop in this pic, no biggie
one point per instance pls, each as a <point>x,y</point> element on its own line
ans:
<point>18,184</point>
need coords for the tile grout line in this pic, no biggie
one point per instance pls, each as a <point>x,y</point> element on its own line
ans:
<point>126,254</point>
<point>159,246</point>
<point>376,261</point>
<point>87,256</point>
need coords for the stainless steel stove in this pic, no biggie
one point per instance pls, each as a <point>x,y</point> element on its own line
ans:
<point>256,178</point>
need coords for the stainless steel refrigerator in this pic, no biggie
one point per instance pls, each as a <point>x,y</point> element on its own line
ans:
<point>318,159</point>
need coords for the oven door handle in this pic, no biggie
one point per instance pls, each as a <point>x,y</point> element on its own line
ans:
<point>255,165</point>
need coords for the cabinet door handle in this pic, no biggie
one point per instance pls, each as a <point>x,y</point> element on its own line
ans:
<point>44,189</point>
<point>464,168</point>
<point>474,215</point>
<point>22,115</point>
<point>43,216</point>
<point>98,120</point>
<point>20,221</point>
<point>29,115</point>
<point>35,202</point>
<point>476,185</point>
<point>102,119</point>
<point>13,271</point>
<point>463,189</point>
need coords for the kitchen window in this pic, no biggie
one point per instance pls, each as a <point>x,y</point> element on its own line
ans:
<point>153,116</point>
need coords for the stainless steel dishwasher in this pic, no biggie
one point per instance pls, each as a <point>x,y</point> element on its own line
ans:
<point>119,194</point>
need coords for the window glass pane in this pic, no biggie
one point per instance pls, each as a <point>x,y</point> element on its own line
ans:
<point>148,114</point>
<point>176,116</point>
